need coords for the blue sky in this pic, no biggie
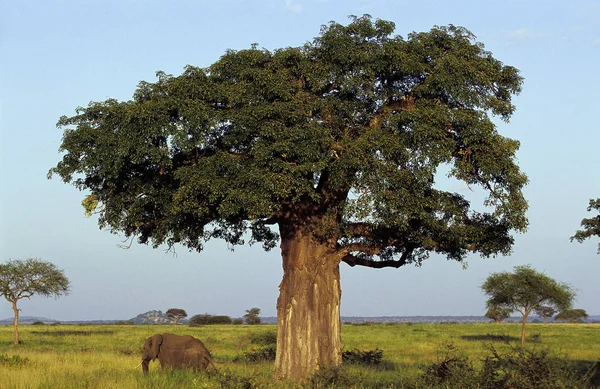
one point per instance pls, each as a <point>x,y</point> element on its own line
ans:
<point>57,55</point>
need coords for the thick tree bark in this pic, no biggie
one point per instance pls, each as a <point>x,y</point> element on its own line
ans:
<point>308,308</point>
<point>15,322</point>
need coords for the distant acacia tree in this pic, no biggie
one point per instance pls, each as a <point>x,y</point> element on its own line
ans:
<point>251,316</point>
<point>524,291</point>
<point>176,314</point>
<point>23,278</point>
<point>498,313</point>
<point>545,312</point>
<point>572,315</point>
<point>591,226</point>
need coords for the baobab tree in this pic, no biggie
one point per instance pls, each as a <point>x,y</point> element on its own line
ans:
<point>331,148</point>
<point>591,225</point>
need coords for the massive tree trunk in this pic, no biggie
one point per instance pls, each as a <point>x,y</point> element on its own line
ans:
<point>15,322</point>
<point>308,308</point>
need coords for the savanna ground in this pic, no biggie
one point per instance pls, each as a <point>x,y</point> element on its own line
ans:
<point>105,356</point>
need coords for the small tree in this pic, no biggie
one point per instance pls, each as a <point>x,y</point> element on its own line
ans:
<point>572,315</point>
<point>525,290</point>
<point>545,312</point>
<point>24,278</point>
<point>176,314</point>
<point>251,316</point>
<point>591,226</point>
<point>498,313</point>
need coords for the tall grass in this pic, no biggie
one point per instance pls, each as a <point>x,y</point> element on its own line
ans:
<point>106,356</point>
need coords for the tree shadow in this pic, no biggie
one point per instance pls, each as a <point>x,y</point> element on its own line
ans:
<point>74,333</point>
<point>590,370</point>
<point>490,338</point>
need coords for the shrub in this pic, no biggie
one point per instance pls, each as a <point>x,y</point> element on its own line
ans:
<point>517,368</point>
<point>521,368</point>
<point>38,323</point>
<point>451,369</point>
<point>12,360</point>
<point>369,357</point>
<point>238,321</point>
<point>264,338</point>
<point>260,355</point>
<point>124,323</point>
<point>229,380</point>
<point>206,319</point>
<point>331,377</point>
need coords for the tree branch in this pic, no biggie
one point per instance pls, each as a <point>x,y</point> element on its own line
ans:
<point>353,260</point>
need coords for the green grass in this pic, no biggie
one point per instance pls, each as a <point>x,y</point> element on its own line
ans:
<point>106,356</point>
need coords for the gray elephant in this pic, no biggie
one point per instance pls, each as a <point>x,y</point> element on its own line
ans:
<point>176,352</point>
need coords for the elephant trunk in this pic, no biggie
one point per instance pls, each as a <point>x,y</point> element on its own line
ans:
<point>145,364</point>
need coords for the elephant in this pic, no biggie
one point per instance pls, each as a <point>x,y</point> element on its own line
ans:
<point>176,352</point>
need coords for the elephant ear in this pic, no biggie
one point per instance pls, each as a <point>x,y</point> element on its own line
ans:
<point>155,345</point>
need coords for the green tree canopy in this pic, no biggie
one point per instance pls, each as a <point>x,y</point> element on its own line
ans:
<point>252,317</point>
<point>498,313</point>
<point>176,314</point>
<point>572,315</point>
<point>526,290</point>
<point>545,312</point>
<point>24,278</point>
<point>591,226</point>
<point>336,144</point>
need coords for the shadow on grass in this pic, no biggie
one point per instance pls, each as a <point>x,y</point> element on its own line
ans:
<point>75,333</point>
<point>590,370</point>
<point>490,338</point>
<point>533,338</point>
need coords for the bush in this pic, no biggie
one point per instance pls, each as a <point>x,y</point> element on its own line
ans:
<point>520,368</point>
<point>12,360</point>
<point>38,323</point>
<point>264,338</point>
<point>206,319</point>
<point>451,369</point>
<point>369,357</point>
<point>238,321</point>
<point>517,368</point>
<point>264,354</point>
<point>124,323</point>
<point>332,377</point>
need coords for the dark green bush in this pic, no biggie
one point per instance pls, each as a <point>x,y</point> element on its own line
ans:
<point>124,323</point>
<point>238,320</point>
<point>206,319</point>
<point>517,368</point>
<point>525,369</point>
<point>264,354</point>
<point>332,377</point>
<point>368,357</point>
<point>38,323</point>
<point>266,338</point>
<point>229,380</point>
<point>452,369</point>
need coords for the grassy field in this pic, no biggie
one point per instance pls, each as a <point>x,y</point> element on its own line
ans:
<point>105,356</point>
